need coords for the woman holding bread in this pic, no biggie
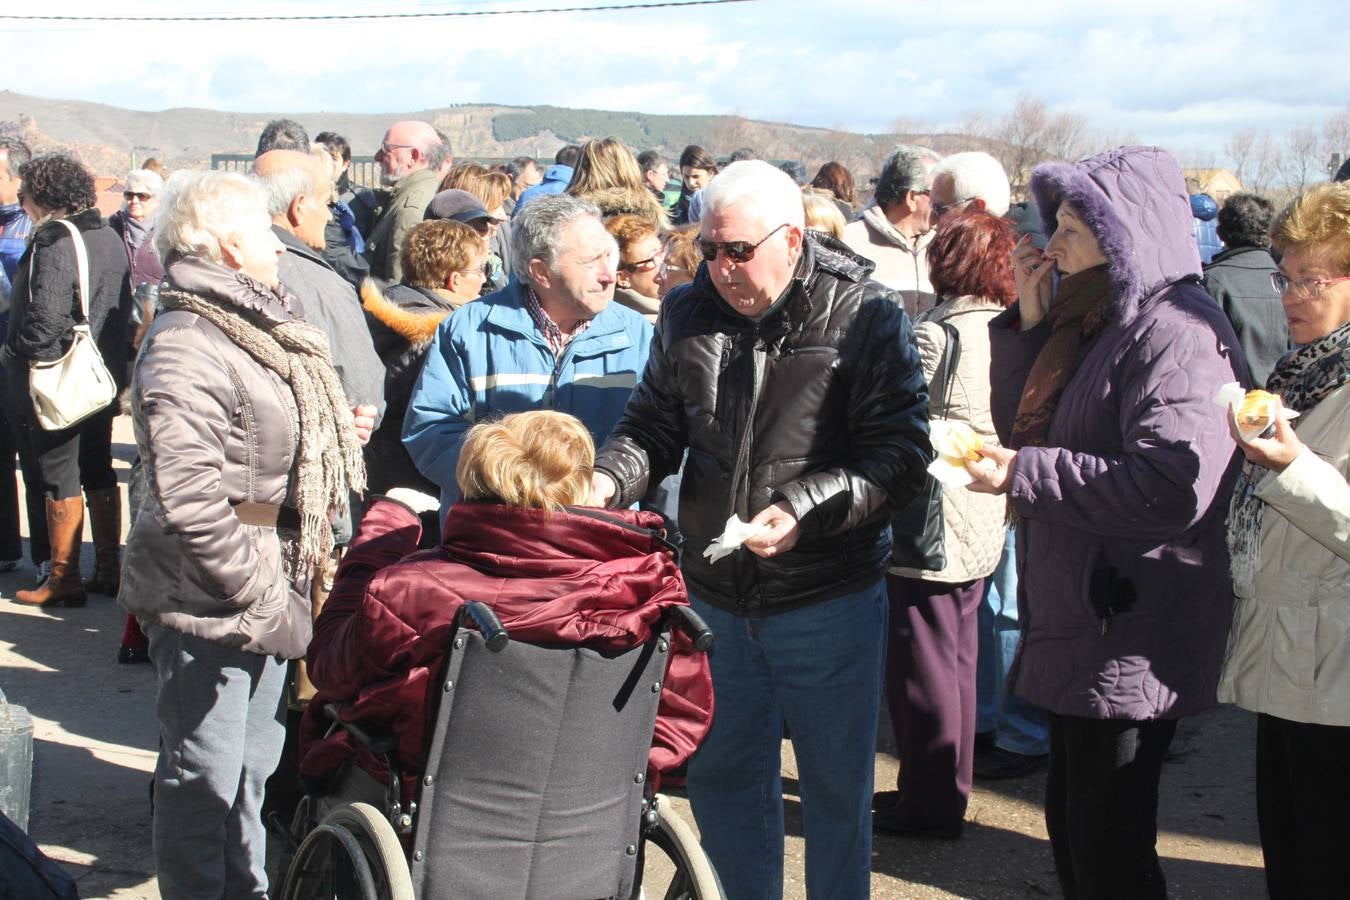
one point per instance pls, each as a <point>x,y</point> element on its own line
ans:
<point>933,637</point>
<point>1289,533</point>
<point>1118,468</point>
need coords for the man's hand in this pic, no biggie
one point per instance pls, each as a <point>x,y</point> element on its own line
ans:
<point>603,489</point>
<point>782,533</point>
<point>363,420</point>
<point>996,479</point>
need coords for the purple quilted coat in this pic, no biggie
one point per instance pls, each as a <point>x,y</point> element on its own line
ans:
<point>1123,592</point>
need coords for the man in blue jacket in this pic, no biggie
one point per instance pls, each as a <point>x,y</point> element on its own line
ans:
<point>556,178</point>
<point>552,340</point>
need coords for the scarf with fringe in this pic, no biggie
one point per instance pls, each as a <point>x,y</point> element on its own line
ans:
<point>328,461</point>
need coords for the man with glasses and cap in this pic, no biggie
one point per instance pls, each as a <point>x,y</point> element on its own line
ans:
<point>550,340</point>
<point>409,157</point>
<point>792,380</point>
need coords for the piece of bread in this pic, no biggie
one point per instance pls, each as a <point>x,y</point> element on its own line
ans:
<point>1257,409</point>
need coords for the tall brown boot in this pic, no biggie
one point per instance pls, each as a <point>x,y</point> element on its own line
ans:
<point>65,524</point>
<point>105,521</point>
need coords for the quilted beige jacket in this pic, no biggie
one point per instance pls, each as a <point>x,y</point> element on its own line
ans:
<point>973,523</point>
<point>1289,649</point>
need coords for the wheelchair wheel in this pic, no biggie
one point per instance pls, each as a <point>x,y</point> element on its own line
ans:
<point>353,854</point>
<point>673,857</point>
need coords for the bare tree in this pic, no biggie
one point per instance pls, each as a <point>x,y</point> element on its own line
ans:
<point>1300,163</point>
<point>1336,139</point>
<point>1240,148</point>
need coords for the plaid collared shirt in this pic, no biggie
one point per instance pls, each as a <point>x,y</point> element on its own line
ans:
<point>557,341</point>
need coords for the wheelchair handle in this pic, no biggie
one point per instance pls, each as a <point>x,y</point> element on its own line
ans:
<point>481,616</point>
<point>692,624</point>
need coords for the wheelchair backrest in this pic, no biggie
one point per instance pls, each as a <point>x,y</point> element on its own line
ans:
<point>534,778</point>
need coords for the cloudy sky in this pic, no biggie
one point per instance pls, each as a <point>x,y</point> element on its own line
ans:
<point>1184,73</point>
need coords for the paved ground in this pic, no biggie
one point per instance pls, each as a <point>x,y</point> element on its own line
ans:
<point>96,740</point>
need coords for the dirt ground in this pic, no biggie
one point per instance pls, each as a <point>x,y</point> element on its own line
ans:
<point>96,739</point>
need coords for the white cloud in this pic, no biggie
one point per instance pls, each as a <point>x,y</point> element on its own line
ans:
<point>1166,70</point>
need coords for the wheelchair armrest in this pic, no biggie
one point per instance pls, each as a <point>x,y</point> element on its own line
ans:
<point>692,624</point>
<point>376,740</point>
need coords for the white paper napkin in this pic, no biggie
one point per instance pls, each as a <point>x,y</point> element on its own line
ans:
<point>732,537</point>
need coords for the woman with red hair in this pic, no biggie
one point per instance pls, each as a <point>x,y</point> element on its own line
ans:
<point>933,641</point>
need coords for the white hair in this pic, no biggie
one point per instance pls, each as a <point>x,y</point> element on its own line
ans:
<point>537,230</point>
<point>764,190</point>
<point>199,209</point>
<point>144,181</point>
<point>977,174</point>
<point>283,185</point>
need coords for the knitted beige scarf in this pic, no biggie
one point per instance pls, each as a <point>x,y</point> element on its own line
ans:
<point>328,462</point>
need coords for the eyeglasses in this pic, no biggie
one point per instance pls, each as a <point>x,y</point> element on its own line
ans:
<point>942,208</point>
<point>1305,286</point>
<point>643,265</point>
<point>385,149</point>
<point>135,195</point>
<point>736,251</point>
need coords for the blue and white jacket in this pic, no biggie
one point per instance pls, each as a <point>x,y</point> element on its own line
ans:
<point>488,359</point>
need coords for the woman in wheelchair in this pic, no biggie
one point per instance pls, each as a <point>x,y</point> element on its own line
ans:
<point>554,574</point>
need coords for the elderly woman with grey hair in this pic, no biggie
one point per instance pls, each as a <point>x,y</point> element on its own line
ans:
<point>247,442</point>
<point>895,232</point>
<point>552,340</point>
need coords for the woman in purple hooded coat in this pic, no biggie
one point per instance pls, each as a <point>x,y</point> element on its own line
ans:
<point>1119,469</point>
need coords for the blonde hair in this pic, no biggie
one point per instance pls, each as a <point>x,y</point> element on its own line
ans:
<point>436,249</point>
<point>605,163</point>
<point>1320,218</point>
<point>491,188</point>
<point>532,460</point>
<point>822,213</point>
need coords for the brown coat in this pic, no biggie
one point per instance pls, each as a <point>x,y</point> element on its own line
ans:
<point>214,428</point>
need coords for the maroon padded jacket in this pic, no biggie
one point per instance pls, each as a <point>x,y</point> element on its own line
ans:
<point>602,579</point>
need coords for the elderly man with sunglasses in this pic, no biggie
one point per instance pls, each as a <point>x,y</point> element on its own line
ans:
<point>409,157</point>
<point>793,381</point>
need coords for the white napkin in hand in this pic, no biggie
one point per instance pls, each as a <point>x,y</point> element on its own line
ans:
<point>948,438</point>
<point>1232,395</point>
<point>732,537</point>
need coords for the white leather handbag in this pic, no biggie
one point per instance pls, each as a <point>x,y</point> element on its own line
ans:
<point>68,390</point>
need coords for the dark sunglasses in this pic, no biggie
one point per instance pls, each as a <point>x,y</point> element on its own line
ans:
<point>129,195</point>
<point>736,251</point>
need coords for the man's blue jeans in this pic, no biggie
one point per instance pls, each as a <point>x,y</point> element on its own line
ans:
<point>1021,727</point>
<point>820,668</point>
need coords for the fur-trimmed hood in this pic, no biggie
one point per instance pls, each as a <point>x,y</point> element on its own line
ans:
<point>1135,202</point>
<point>410,313</point>
<point>616,200</point>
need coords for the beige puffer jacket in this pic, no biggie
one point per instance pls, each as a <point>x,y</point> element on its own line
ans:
<point>1289,649</point>
<point>974,523</point>
<point>214,428</point>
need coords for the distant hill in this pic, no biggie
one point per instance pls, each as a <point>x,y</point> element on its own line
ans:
<point>107,137</point>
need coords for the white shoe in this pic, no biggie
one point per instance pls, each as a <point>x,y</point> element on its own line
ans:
<point>44,571</point>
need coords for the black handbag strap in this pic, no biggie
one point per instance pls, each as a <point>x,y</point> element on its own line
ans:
<point>946,366</point>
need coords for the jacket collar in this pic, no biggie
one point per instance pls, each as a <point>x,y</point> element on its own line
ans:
<point>196,275</point>
<point>881,226</point>
<point>299,247</point>
<point>958,306</point>
<point>508,313</point>
<point>413,181</point>
<point>522,537</point>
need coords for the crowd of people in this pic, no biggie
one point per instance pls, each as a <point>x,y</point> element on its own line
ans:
<point>550,378</point>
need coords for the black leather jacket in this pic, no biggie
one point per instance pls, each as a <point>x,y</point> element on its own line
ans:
<point>821,402</point>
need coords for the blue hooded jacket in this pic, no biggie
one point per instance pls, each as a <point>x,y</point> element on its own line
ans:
<point>556,179</point>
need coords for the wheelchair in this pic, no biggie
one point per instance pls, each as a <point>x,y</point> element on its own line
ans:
<point>535,785</point>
